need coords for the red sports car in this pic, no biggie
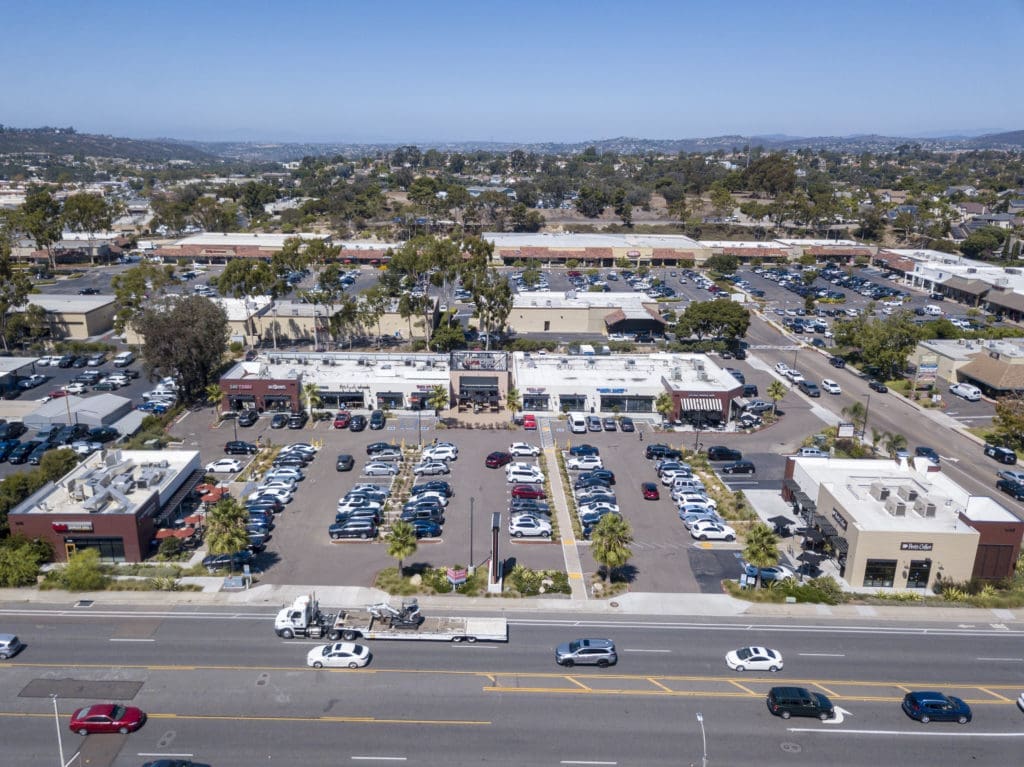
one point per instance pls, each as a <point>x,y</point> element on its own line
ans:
<point>530,422</point>
<point>527,491</point>
<point>107,717</point>
<point>342,420</point>
<point>498,459</point>
<point>650,491</point>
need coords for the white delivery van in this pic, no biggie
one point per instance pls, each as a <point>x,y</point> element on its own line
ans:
<point>124,359</point>
<point>932,310</point>
<point>577,423</point>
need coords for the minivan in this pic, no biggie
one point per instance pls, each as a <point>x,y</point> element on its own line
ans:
<point>577,423</point>
<point>797,701</point>
<point>124,359</point>
<point>933,311</point>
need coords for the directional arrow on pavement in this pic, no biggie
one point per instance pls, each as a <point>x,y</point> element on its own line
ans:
<point>840,714</point>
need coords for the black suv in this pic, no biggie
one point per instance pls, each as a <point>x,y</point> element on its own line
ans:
<point>358,423</point>
<point>797,701</point>
<point>720,453</point>
<point>662,451</point>
<point>377,419</point>
<point>232,561</point>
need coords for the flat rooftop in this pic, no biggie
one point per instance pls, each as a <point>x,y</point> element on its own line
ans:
<point>692,372</point>
<point>70,304</point>
<point>111,482</point>
<point>634,305</point>
<point>587,240</point>
<point>258,240</point>
<point>329,369</point>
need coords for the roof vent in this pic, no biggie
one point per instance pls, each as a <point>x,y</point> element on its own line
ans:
<point>895,507</point>
<point>879,491</point>
<point>907,492</point>
<point>924,507</point>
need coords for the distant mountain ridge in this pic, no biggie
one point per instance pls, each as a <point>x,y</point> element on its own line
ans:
<point>68,141</point>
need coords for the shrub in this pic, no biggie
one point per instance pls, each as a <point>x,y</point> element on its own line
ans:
<point>83,572</point>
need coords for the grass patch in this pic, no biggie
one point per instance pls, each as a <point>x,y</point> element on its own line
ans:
<point>824,590</point>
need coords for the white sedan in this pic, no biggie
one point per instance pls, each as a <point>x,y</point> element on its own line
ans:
<point>431,468</point>
<point>706,530</point>
<point>527,524</point>
<point>754,659</point>
<point>831,386</point>
<point>226,465</point>
<point>380,469</point>
<point>338,655</point>
<point>524,449</point>
<point>75,388</point>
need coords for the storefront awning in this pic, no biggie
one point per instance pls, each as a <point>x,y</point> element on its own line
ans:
<point>704,404</point>
<point>740,402</point>
<point>478,382</point>
<point>841,545</point>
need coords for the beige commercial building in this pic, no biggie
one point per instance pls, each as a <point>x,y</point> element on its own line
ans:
<point>900,524</point>
<point>584,312</point>
<point>75,317</point>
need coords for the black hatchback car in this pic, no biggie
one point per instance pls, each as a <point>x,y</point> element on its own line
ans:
<point>238,447</point>
<point>739,467</point>
<point>878,386</point>
<point>720,453</point>
<point>279,421</point>
<point>377,419</point>
<point>345,462</point>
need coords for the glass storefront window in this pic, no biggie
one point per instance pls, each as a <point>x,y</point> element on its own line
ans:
<point>919,573</point>
<point>880,572</point>
<point>110,549</point>
<point>572,402</point>
<point>627,404</point>
<point>535,402</point>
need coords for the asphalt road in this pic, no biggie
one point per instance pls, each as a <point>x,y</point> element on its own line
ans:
<point>218,685</point>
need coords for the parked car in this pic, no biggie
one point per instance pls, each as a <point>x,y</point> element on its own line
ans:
<point>358,423</point>
<point>968,392</point>
<point>739,467</point>
<point>768,574</point>
<point>106,717</point>
<point>1012,488</point>
<point>928,706</point>
<point>380,469</point>
<point>497,459</point>
<point>233,561</point>
<point>248,417</point>
<point>362,528</point>
<point>524,449</point>
<point>529,525</point>
<point>754,659</point>
<point>584,449</point>
<point>527,491</point>
<point>342,420</point>
<point>587,652</point>
<point>661,451</point>
<point>605,475</point>
<point>344,462</point>
<point>877,386</point>
<point>431,468</point>
<point>425,528</point>
<point>530,422</point>
<point>238,447</point>
<point>798,701</point>
<point>707,530</point>
<point>377,419</point>
<point>584,463</point>
<point>225,465</point>
<point>626,424</point>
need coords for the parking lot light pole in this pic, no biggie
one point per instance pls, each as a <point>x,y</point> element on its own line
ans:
<point>472,500</point>
<point>704,740</point>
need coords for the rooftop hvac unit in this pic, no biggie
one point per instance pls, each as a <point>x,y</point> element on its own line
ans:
<point>879,491</point>
<point>275,360</point>
<point>631,363</point>
<point>895,507</point>
<point>547,303</point>
<point>361,361</point>
<point>924,507</point>
<point>907,492</point>
<point>409,362</point>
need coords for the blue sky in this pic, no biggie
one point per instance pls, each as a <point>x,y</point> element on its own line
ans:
<point>399,71</point>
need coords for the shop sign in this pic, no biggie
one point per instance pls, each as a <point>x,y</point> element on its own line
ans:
<point>457,577</point>
<point>610,391</point>
<point>535,389</point>
<point>909,546</point>
<point>839,519</point>
<point>72,527</point>
<point>245,387</point>
<point>275,387</point>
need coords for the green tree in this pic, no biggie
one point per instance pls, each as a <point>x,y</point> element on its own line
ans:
<point>185,338</point>
<point>84,572</point>
<point>761,549</point>
<point>776,391</point>
<point>15,285</point>
<point>623,208</point>
<point>610,542</point>
<point>57,463</point>
<point>40,217</point>
<point>493,298</point>
<point>213,216</point>
<point>894,442</point>
<point>856,413</point>
<point>1008,422</point>
<point>591,201</point>
<point>722,319</point>
<point>721,264</point>
<point>438,399</point>
<point>983,243</point>
<point>84,212</point>
<point>402,543</point>
<point>136,287</point>
<point>20,559</point>
<point>514,401</point>
<point>225,527</point>
<point>245,277</point>
<point>214,395</point>
<point>721,200</point>
<point>665,405</point>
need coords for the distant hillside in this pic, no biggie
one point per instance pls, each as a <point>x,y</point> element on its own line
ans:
<point>1011,139</point>
<point>60,141</point>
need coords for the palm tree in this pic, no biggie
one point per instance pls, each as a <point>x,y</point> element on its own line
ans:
<point>664,405</point>
<point>776,391</point>
<point>438,399</point>
<point>762,548</point>
<point>514,401</point>
<point>857,414</point>
<point>401,543</point>
<point>610,544</point>
<point>311,395</point>
<point>214,395</point>
<point>876,437</point>
<point>894,442</point>
<point>225,527</point>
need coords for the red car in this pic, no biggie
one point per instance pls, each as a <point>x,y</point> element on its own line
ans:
<point>107,717</point>
<point>498,459</point>
<point>650,491</point>
<point>527,491</point>
<point>530,422</point>
<point>342,420</point>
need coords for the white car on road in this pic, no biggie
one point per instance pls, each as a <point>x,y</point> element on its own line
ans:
<point>754,659</point>
<point>831,386</point>
<point>338,655</point>
<point>524,449</point>
<point>227,465</point>
<point>706,530</point>
<point>781,368</point>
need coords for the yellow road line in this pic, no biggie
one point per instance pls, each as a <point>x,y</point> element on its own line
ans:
<point>578,683</point>
<point>995,695</point>
<point>656,683</point>
<point>745,689</point>
<point>746,694</point>
<point>901,687</point>
<point>820,686</point>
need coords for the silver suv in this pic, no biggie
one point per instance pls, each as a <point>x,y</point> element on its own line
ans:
<point>10,646</point>
<point>586,652</point>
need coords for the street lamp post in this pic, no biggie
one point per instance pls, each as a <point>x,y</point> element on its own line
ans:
<point>56,721</point>
<point>867,412</point>
<point>704,740</point>
<point>419,424</point>
<point>472,500</point>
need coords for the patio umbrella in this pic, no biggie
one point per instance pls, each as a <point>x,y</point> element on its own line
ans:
<point>781,521</point>
<point>194,519</point>
<point>184,532</point>
<point>165,533</point>
<point>810,558</point>
<point>812,534</point>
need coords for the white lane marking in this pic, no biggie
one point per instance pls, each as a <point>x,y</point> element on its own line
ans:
<point>1004,660</point>
<point>475,645</point>
<point>379,758</point>
<point>919,733</point>
<point>822,654</point>
<point>840,714</point>
<point>574,761</point>
<point>116,639</point>
<point>637,649</point>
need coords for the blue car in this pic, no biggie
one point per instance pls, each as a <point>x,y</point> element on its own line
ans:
<point>7,447</point>
<point>935,707</point>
